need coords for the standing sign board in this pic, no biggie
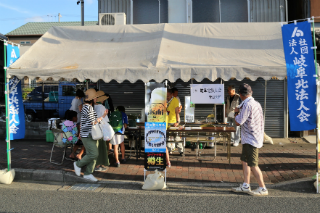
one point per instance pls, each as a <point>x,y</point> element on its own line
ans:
<point>297,43</point>
<point>155,127</point>
<point>207,93</point>
<point>155,143</point>
<point>16,110</point>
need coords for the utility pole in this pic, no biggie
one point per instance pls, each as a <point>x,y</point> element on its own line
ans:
<point>82,11</point>
<point>59,15</point>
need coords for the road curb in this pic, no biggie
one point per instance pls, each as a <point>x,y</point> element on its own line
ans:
<point>70,177</point>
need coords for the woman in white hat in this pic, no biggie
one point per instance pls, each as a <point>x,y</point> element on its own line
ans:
<point>88,118</point>
<point>102,160</point>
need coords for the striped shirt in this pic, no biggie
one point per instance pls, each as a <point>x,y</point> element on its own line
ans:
<point>251,120</point>
<point>88,116</point>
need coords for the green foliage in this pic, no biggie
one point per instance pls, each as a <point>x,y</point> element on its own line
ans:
<point>25,92</point>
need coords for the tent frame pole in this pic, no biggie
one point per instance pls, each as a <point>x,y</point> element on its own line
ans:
<point>6,83</point>
<point>317,104</point>
<point>265,102</point>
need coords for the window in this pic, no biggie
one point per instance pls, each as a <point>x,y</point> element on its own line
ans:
<point>25,42</point>
<point>68,91</point>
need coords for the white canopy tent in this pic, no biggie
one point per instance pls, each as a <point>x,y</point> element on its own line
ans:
<point>156,52</point>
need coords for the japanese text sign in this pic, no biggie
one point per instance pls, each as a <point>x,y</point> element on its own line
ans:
<point>155,137</point>
<point>297,43</point>
<point>153,161</point>
<point>207,93</point>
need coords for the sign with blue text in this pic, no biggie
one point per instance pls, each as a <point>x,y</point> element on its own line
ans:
<point>155,137</point>
<point>297,44</point>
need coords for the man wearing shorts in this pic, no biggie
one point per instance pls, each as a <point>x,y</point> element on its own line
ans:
<point>249,115</point>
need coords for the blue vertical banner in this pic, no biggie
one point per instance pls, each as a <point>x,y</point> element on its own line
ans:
<point>16,110</point>
<point>297,44</point>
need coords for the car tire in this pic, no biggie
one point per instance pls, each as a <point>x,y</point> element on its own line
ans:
<point>29,116</point>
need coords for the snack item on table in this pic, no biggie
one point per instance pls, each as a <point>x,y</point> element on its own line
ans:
<point>207,125</point>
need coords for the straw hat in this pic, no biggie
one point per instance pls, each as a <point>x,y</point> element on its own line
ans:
<point>101,99</point>
<point>90,95</point>
<point>100,93</point>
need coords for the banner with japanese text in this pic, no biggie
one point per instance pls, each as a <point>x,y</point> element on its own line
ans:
<point>297,44</point>
<point>16,110</point>
<point>153,161</point>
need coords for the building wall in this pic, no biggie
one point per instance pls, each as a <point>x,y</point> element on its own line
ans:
<point>234,11</point>
<point>147,11</point>
<point>298,9</point>
<point>315,8</point>
<point>18,39</point>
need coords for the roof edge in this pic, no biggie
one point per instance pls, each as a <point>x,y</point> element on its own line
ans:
<point>24,35</point>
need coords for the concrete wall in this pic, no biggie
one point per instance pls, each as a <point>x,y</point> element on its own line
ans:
<point>34,130</point>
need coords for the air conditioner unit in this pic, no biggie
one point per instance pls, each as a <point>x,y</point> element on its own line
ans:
<point>112,19</point>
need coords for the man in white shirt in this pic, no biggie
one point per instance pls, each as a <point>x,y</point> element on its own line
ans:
<point>250,117</point>
<point>232,101</point>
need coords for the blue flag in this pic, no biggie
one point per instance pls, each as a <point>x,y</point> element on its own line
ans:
<point>297,43</point>
<point>16,110</point>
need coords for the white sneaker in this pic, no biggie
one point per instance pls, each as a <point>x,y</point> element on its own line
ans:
<point>259,192</point>
<point>77,169</point>
<point>90,177</point>
<point>236,144</point>
<point>241,189</point>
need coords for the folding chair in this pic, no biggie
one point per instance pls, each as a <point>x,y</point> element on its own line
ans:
<point>58,143</point>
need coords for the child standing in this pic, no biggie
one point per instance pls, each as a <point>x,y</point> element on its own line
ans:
<point>119,122</point>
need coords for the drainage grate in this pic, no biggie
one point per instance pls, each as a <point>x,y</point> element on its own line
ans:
<point>85,187</point>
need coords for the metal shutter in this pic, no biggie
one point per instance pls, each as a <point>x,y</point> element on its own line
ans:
<point>274,125</point>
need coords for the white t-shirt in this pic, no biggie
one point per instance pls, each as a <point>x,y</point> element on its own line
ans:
<point>75,107</point>
<point>100,109</point>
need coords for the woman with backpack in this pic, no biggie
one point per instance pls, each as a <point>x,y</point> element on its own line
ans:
<point>119,122</point>
<point>88,119</point>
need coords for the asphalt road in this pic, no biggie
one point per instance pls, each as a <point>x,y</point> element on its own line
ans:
<point>115,197</point>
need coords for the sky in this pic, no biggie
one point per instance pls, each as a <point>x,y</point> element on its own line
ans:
<point>15,13</point>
